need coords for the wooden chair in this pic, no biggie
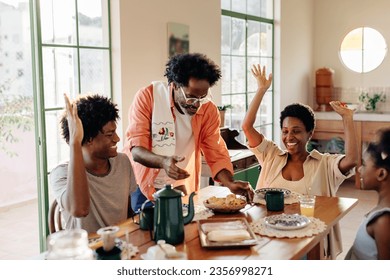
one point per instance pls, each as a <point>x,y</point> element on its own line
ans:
<point>54,217</point>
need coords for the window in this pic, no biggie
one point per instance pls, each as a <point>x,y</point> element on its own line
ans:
<point>363,49</point>
<point>65,49</point>
<point>247,39</point>
<point>18,174</point>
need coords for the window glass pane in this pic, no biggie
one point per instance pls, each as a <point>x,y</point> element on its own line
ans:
<point>253,38</point>
<point>239,6</point>
<point>238,36</point>
<point>266,131</point>
<point>267,9</point>
<point>266,39</point>
<point>226,99</point>
<point>93,27</point>
<point>374,49</point>
<point>238,110</point>
<point>352,59</point>
<point>225,5</point>
<point>94,71</point>
<point>238,74</point>
<point>372,59</point>
<point>58,22</point>
<point>264,114</point>
<point>57,149</point>
<point>226,35</point>
<point>266,109</point>
<point>251,81</point>
<point>259,38</point>
<point>253,7</point>
<point>226,74</point>
<point>59,74</point>
<point>260,8</point>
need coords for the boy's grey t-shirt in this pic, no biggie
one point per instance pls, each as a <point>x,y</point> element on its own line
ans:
<point>109,195</point>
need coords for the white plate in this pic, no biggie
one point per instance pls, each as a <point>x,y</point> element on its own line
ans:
<point>261,192</point>
<point>287,221</point>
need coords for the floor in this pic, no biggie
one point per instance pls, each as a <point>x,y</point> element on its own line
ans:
<point>25,245</point>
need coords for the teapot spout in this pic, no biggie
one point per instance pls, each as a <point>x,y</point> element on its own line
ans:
<point>191,211</point>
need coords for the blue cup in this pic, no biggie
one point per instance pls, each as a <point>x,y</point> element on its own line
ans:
<point>274,200</point>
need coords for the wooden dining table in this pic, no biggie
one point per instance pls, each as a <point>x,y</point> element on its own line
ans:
<point>330,210</point>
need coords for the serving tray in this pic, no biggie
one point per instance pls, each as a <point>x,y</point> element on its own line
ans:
<point>205,226</point>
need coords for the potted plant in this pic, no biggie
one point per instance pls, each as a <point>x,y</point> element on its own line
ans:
<point>222,109</point>
<point>370,102</point>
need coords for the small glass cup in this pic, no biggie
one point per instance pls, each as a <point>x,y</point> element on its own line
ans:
<point>108,235</point>
<point>307,204</point>
<point>69,244</point>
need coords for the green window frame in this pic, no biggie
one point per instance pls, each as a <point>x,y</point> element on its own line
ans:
<point>247,38</point>
<point>72,54</point>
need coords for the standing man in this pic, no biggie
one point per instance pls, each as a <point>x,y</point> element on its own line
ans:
<point>93,187</point>
<point>172,124</point>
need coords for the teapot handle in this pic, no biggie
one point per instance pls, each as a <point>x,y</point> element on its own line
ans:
<point>144,204</point>
<point>149,220</point>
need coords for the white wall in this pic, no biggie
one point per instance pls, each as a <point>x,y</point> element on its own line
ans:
<point>140,44</point>
<point>333,20</point>
<point>296,51</point>
<point>294,29</point>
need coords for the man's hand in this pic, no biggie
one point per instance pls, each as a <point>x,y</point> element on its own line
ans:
<point>172,170</point>
<point>242,188</point>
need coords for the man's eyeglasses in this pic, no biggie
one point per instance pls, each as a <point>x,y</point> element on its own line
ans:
<point>193,101</point>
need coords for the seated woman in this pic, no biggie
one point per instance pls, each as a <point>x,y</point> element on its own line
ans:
<point>295,168</point>
<point>372,240</point>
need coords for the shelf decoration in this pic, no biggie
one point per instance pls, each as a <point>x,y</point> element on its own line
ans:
<point>370,102</point>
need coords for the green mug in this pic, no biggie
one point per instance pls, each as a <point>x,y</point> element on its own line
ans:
<point>274,200</point>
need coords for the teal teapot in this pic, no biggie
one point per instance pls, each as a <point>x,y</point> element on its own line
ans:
<point>168,215</point>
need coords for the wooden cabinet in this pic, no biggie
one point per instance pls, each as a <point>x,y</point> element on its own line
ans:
<point>369,129</point>
<point>365,132</point>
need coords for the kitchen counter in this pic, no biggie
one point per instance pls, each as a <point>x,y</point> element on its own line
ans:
<point>358,116</point>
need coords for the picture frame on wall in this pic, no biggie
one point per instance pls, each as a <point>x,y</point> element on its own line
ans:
<point>178,38</point>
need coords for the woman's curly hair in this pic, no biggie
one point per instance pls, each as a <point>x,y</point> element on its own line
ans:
<point>94,111</point>
<point>301,112</point>
<point>180,68</point>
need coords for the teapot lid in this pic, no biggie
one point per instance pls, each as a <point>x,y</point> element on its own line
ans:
<point>167,192</point>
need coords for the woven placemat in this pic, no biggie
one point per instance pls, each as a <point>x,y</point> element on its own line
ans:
<point>315,226</point>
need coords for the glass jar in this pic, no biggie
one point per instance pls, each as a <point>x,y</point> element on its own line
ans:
<point>69,245</point>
